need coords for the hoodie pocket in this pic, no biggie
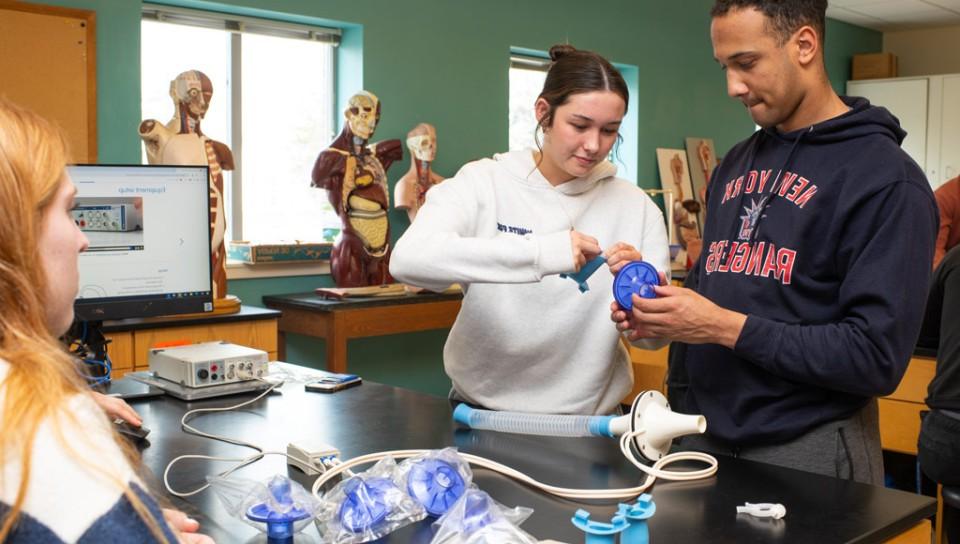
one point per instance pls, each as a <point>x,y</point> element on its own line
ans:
<point>843,462</point>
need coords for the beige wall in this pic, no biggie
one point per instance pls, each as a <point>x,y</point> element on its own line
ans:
<point>925,51</point>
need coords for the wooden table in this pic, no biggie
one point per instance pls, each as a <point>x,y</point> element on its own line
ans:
<point>337,321</point>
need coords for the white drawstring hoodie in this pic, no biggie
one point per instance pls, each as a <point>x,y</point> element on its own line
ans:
<point>527,339</point>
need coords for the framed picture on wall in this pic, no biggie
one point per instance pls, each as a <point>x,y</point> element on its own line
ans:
<point>675,177</point>
<point>703,159</point>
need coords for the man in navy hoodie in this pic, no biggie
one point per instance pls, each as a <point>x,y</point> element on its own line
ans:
<point>816,259</point>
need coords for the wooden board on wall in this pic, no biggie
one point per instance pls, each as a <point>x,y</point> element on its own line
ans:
<point>48,64</point>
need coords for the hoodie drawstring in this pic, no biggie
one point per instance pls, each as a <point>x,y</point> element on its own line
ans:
<point>776,183</point>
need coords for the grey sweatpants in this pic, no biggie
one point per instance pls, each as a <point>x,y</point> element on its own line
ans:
<point>847,449</point>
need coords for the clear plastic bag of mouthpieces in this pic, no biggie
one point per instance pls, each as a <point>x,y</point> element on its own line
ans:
<point>436,479</point>
<point>367,506</point>
<point>478,519</point>
<point>278,506</point>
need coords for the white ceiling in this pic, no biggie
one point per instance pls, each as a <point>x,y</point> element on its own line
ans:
<point>887,15</point>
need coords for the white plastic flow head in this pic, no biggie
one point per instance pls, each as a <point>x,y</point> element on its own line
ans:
<point>651,413</point>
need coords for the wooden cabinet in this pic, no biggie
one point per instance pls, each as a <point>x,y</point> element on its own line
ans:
<point>131,340</point>
<point>649,371</point>
<point>900,411</point>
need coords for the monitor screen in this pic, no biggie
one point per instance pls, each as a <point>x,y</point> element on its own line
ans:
<point>149,233</point>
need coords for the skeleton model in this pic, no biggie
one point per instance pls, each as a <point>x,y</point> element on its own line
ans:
<point>353,173</point>
<point>181,141</point>
<point>411,189</point>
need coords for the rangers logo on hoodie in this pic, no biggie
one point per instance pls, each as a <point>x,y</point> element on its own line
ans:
<point>749,220</point>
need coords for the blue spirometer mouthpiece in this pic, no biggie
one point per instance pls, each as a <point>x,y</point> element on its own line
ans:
<point>637,277</point>
<point>585,272</point>
<point>279,523</point>
<point>364,504</point>
<point>435,484</point>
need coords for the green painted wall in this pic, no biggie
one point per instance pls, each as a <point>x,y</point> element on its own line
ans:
<point>848,40</point>
<point>445,61</point>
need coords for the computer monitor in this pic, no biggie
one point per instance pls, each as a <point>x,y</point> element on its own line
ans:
<point>149,233</point>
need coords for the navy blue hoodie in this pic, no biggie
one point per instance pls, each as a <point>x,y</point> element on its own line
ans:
<point>829,259</point>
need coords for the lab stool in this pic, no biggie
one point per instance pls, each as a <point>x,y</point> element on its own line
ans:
<point>948,499</point>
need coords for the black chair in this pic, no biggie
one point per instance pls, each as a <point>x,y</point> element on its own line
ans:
<point>949,516</point>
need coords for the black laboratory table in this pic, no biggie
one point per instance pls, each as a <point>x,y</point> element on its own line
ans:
<point>375,417</point>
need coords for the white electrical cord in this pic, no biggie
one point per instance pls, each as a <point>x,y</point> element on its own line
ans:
<point>336,466</point>
<point>241,461</point>
<point>654,472</point>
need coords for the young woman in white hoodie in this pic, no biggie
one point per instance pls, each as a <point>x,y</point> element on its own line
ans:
<point>506,227</point>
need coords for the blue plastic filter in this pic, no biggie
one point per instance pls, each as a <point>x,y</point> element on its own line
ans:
<point>637,277</point>
<point>365,503</point>
<point>279,523</point>
<point>435,484</point>
<point>477,511</point>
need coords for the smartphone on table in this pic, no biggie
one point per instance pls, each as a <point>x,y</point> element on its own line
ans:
<point>329,382</point>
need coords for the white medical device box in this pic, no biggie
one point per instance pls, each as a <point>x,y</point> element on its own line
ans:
<point>107,217</point>
<point>209,363</point>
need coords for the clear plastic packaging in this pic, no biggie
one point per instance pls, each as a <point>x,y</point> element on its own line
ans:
<point>478,519</point>
<point>528,423</point>
<point>367,506</point>
<point>279,507</point>
<point>436,479</point>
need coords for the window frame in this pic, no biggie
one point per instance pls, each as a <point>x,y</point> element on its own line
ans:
<point>236,25</point>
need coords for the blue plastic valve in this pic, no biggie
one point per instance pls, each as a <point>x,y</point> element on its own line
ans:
<point>598,532</point>
<point>637,514</point>
<point>280,528</point>
<point>584,273</point>
<point>637,277</point>
<point>476,511</point>
<point>435,484</point>
<point>364,504</point>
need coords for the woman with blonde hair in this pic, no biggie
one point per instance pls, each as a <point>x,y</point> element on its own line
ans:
<point>65,475</point>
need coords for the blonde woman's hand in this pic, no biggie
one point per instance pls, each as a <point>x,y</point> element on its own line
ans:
<point>584,248</point>
<point>117,408</point>
<point>619,255</point>
<point>194,538</point>
<point>185,527</point>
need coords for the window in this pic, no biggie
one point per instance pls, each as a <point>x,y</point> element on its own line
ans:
<point>526,81</point>
<point>273,104</point>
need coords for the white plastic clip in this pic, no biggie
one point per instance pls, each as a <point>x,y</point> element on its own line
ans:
<point>763,510</point>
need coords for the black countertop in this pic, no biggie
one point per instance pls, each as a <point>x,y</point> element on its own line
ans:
<point>374,417</point>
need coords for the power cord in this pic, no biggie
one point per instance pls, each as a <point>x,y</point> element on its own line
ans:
<point>241,461</point>
<point>570,493</point>
<point>334,466</point>
<point>89,345</point>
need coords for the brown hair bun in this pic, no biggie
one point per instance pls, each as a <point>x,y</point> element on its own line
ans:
<point>560,50</point>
